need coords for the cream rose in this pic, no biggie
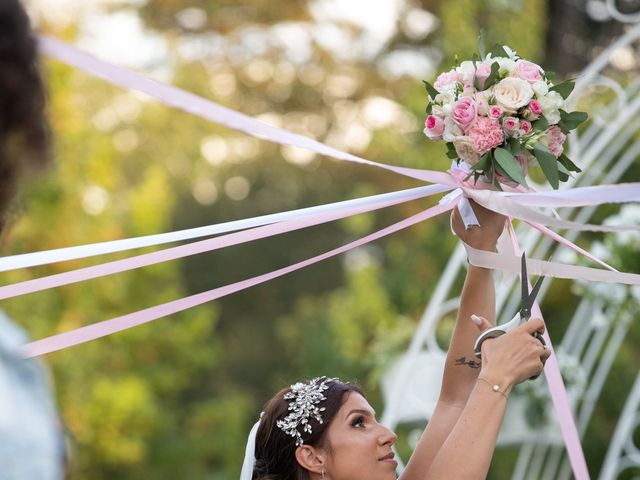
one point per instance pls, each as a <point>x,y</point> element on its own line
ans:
<point>451,130</point>
<point>540,88</point>
<point>551,103</point>
<point>513,93</point>
<point>465,150</point>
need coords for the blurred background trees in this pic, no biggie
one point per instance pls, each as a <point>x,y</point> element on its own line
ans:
<point>175,398</point>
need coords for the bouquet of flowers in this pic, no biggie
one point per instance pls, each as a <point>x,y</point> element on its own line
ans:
<point>500,114</point>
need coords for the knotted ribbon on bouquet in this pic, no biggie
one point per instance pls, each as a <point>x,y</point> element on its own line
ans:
<point>518,203</point>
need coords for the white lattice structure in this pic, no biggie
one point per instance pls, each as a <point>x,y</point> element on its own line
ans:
<point>604,150</point>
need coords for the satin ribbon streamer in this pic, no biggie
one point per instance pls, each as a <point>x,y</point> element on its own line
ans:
<point>514,204</point>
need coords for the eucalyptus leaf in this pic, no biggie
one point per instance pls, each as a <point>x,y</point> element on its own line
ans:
<point>541,124</point>
<point>508,164</point>
<point>514,146</point>
<point>564,88</point>
<point>431,91</point>
<point>493,76</point>
<point>483,164</point>
<point>498,51</point>
<point>566,161</point>
<point>548,162</point>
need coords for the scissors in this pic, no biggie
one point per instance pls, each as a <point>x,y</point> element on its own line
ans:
<point>523,315</point>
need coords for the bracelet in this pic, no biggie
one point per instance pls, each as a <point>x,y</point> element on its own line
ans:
<point>494,387</point>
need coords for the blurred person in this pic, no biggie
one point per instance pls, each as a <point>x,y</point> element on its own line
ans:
<point>324,429</point>
<point>31,440</point>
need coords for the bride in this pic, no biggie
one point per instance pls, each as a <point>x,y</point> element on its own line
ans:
<point>325,429</point>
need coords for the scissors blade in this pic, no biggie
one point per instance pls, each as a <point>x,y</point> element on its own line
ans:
<point>524,285</point>
<point>532,296</point>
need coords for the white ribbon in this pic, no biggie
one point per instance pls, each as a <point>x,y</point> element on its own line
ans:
<point>250,454</point>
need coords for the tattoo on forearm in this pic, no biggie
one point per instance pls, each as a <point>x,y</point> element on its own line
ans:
<point>471,363</point>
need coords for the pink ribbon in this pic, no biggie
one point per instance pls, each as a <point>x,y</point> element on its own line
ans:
<point>512,204</point>
<point>108,327</point>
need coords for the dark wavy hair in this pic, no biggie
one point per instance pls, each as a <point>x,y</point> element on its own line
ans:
<point>275,450</point>
<point>24,132</point>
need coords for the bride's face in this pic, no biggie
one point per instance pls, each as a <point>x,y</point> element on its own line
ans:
<point>360,447</point>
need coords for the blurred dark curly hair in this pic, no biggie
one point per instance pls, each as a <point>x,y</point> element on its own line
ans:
<point>24,132</point>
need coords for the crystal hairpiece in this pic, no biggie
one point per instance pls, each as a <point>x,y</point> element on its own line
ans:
<point>305,398</point>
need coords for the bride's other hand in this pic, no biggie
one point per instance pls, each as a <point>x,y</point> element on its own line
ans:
<point>483,237</point>
<point>515,356</point>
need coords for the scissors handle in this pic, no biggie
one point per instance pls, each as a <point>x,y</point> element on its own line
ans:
<point>500,330</point>
<point>492,332</point>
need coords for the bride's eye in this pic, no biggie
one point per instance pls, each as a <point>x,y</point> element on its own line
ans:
<point>358,422</point>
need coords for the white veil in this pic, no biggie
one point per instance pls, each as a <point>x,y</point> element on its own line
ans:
<point>249,454</point>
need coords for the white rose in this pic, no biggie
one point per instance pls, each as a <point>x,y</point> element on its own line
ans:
<point>550,104</point>
<point>465,150</point>
<point>553,116</point>
<point>451,130</point>
<point>555,98</point>
<point>437,111</point>
<point>513,93</point>
<point>467,71</point>
<point>447,108</point>
<point>507,66</point>
<point>540,88</point>
<point>445,97</point>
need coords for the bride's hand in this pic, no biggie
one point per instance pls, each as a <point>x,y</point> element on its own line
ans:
<point>515,356</point>
<point>483,237</point>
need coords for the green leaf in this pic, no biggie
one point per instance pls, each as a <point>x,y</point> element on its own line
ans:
<point>429,108</point>
<point>498,51</point>
<point>550,75</point>
<point>481,47</point>
<point>566,161</point>
<point>483,163</point>
<point>451,151</point>
<point>509,165</point>
<point>493,76</point>
<point>548,162</point>
<point>514,146</point>
<point>431,91</point>
<point>573,119</point>
<point>564,88</point>
<point>541,124</point>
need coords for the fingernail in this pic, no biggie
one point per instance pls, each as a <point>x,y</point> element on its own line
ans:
<point>476,319</point>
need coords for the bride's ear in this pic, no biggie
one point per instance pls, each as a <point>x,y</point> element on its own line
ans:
<point>311,458</point>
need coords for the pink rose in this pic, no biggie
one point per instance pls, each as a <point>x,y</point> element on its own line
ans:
<point>535,107</point>
<point>510,123</point>
<point>527,71</point>
<point>524,164</point>
<point>445,79</point>
<point>525,126</point>
<point>482,72</point>
<point>433,127</point>
<point>556,139</point>
<point>495,112</point>
<point>485,134</point>
<point>464,112</point>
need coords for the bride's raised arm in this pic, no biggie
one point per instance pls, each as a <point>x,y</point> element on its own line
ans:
<point>463,429</point>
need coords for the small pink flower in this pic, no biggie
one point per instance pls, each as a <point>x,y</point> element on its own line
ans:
<point>535,107</point>
<point>482,72</point>
<point>556,140</point>
<point>510,123</point>
<point>464,112</point>
<point>527,71</point>
<point>485,134</point>
<point>495,112</point>
<point>433,127</point>
<point>525,126</point>
<point>445,79</point>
